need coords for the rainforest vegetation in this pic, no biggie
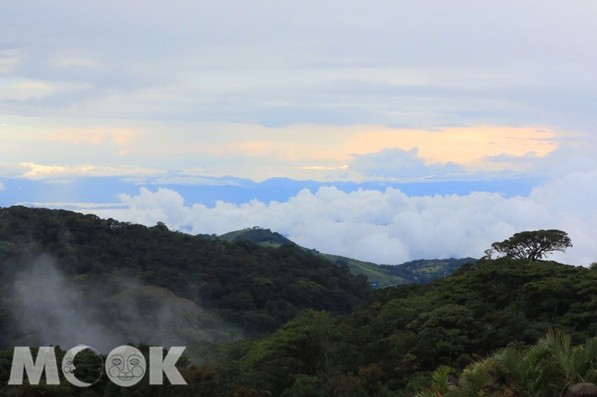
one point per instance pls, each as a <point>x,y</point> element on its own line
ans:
<point>282,321</point>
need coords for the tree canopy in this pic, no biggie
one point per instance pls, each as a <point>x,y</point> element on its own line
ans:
<point>531,245</point>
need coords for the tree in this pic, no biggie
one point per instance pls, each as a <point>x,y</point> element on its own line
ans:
<point>531,245</point>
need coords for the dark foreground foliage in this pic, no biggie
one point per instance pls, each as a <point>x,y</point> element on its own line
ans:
<point>545,369</point>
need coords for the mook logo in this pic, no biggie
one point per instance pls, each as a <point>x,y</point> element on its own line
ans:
<point>125,366</point>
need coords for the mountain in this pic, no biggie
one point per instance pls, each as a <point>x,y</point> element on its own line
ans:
<point>122,282</point>
<point>424,271</point>
<point>391,345</point>
<point>377,276</point>
<point>210,190</point>
<point>258,236</point>
<point>415,272</point>
<point>275,319</point>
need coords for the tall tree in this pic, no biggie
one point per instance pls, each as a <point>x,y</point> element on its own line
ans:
<point>531,245</point>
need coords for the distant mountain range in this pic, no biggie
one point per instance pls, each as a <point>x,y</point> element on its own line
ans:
<point>209,190</point>
<point>420,271</point>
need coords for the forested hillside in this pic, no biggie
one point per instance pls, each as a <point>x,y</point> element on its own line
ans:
<point>420,271</point>
<point>391,346</point>
<point>261,321</point>
<point>123,275</point>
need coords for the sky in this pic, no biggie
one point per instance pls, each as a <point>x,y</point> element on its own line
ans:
<point>383,130</point>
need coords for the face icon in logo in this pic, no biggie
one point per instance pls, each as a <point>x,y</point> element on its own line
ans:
<point>125,366</point>
<point>68,367</point>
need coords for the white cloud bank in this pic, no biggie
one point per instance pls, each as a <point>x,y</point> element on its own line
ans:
<point>390,227</point>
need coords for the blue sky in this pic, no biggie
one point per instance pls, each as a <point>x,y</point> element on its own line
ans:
<point>393,130</point>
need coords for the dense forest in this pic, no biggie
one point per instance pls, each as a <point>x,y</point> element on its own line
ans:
<point>391,346</point>
<point>281,321</point>
<point>244,288</point>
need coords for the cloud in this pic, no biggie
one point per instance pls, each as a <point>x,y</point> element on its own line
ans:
<point>328,91</point>
<point>398,164</point>
<point>183,179</point>
<point>9,60</point>
<point>301,152</point>
<point>35,90</point>
<point>2,187</point>
<point>334,64</point>
<point>49,172</point>
<point>76,62</point>
<point>389,226</point>
<point>95,136</point>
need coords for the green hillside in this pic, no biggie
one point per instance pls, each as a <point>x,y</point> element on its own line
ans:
<point>415,272</point>
<point>257,235</point>
<point>135,280</point>
<point>423,271</point>
<point>377,275</point>
<point>391,346</point>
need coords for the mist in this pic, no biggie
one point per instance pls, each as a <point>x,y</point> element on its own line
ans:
<point>51,308</point>
<point>49,311</point>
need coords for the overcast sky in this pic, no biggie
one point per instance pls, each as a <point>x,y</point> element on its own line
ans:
<point>322,90</point>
